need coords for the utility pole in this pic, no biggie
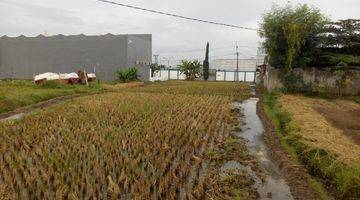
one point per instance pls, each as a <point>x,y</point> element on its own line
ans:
<point>237,63</point>
<point>156,57</point>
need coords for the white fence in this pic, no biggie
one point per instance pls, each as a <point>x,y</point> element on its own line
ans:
<point>174,74</point>
<point>243,76</point>
<point>167,74</point>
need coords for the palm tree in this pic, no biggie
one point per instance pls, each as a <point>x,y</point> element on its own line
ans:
<point>191,69</point>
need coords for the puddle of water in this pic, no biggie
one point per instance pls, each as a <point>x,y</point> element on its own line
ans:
<point>234,165</point>
<point>275,186</point>
<point>13,117</point>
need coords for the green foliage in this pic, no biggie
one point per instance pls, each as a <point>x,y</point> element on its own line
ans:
<point>19,93</point>
<point>292,81</point>
<point>329,59</point>
<point>155,68</point>
<point>290,34</point>
<point>340,44</point>
<point>191,69</point>
<point>52,85</point>
<point>342,36</point>
<point>293,33</point>
<point>206,64</point>
<point>127,75</point>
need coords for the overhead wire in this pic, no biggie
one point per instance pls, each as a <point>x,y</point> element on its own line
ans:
<point>177,16</point>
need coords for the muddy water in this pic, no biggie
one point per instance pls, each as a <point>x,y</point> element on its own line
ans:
<point>274,186</point>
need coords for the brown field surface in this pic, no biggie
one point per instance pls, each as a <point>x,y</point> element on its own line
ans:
<point>132,145</point>
<point>331,125</point>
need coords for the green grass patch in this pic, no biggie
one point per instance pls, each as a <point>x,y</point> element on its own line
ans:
<point>19,93</point>
<point>319,162</point>
<point>318,187</point>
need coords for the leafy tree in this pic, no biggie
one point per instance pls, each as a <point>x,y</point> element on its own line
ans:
<point>342,36</point>
<point>128,75</point>
<point>155,67</point>
<point>290,35</point>
<point>191,69</point>
<point>206,63</point>
<point>340,44</point>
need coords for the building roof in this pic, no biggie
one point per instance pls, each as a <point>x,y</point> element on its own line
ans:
<point>80,36</point>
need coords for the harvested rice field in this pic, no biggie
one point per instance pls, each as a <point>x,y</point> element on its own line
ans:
<point>161,141</point>
<point>330,125</point>
<point>236,91</point>
<point>325,134</point>
<point>321,135</point>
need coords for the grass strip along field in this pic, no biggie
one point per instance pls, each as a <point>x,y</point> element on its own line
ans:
<point>19,93</point>
<point>305,130</point>
<point>137,145</point>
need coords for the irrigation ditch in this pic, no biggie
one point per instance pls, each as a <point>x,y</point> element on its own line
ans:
<point>274,185</point>
<point>296,175</point>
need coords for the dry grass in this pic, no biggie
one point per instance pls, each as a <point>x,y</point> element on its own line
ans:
<point>318,130</point>
<point>120,86</point>
<point>343,115</point>
<point>238,91</point>
<point>120,145</point>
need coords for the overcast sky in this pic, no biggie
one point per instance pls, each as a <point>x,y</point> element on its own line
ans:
<point>172,38</point>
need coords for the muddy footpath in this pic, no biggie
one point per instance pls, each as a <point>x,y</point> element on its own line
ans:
<point>20,112</point>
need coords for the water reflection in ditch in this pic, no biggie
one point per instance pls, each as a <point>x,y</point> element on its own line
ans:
<point>274,186</point>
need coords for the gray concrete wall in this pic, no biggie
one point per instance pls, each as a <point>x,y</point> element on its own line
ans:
<point>24,57</point>
<point>140,54</point>
<point>317,80</point>
<point>271,79</point>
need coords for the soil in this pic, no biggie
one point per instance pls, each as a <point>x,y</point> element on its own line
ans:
<point>42,105</point>
<point>295,175</point>
<point>346,120</point>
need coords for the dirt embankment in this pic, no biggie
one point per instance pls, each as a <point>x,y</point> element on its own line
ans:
<point>296,175</point>
<point>344,115</point>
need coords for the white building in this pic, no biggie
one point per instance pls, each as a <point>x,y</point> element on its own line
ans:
<point>231,64</point>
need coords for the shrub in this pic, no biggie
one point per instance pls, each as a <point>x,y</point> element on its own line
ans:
<point>293,82</point>
<point>127,75</point>
<point>52,84</point>
<point>191,69</point>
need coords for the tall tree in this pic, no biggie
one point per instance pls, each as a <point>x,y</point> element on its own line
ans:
<point>206,63</point>
<point>340,44</point>
<point>290,35</point>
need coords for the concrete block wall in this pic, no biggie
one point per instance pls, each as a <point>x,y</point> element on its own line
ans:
<point>23,57</point>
